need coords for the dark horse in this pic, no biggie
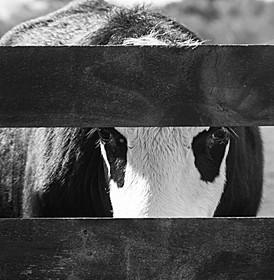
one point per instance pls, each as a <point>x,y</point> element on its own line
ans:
<point>133,172</point>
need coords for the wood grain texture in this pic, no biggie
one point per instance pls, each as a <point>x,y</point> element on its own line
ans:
<point>170,249</point>
<point>136,86</point>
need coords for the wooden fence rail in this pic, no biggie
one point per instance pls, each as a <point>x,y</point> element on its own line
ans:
<point>200,249</point>
<point>136,86</point>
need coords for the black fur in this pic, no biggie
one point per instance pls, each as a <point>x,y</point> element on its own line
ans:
<point>115,146</point>
<point>137,22</point>
<point>243,190</point>
<point>65,175</point>
<point>209,150</point>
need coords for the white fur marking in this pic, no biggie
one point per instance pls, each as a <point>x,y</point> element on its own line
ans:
<point>161,179</point>
<point>104,154</point>
<point>153,40</point>
<point>147,40</point>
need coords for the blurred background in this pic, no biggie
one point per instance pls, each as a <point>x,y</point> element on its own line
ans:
<point>217,21</point>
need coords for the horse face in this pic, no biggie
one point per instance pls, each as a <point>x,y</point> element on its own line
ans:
<point>165,172</point>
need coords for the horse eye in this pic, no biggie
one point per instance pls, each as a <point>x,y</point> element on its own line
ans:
<point>104,134</point>
<point>220,134</point>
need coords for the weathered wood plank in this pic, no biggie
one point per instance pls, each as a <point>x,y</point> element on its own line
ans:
<point>137,249</point>
<point>136,86</point>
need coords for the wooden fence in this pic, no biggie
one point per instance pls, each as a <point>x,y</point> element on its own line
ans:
<point>137,86</point>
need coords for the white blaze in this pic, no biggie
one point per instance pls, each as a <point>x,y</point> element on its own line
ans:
<point>161,179</point>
